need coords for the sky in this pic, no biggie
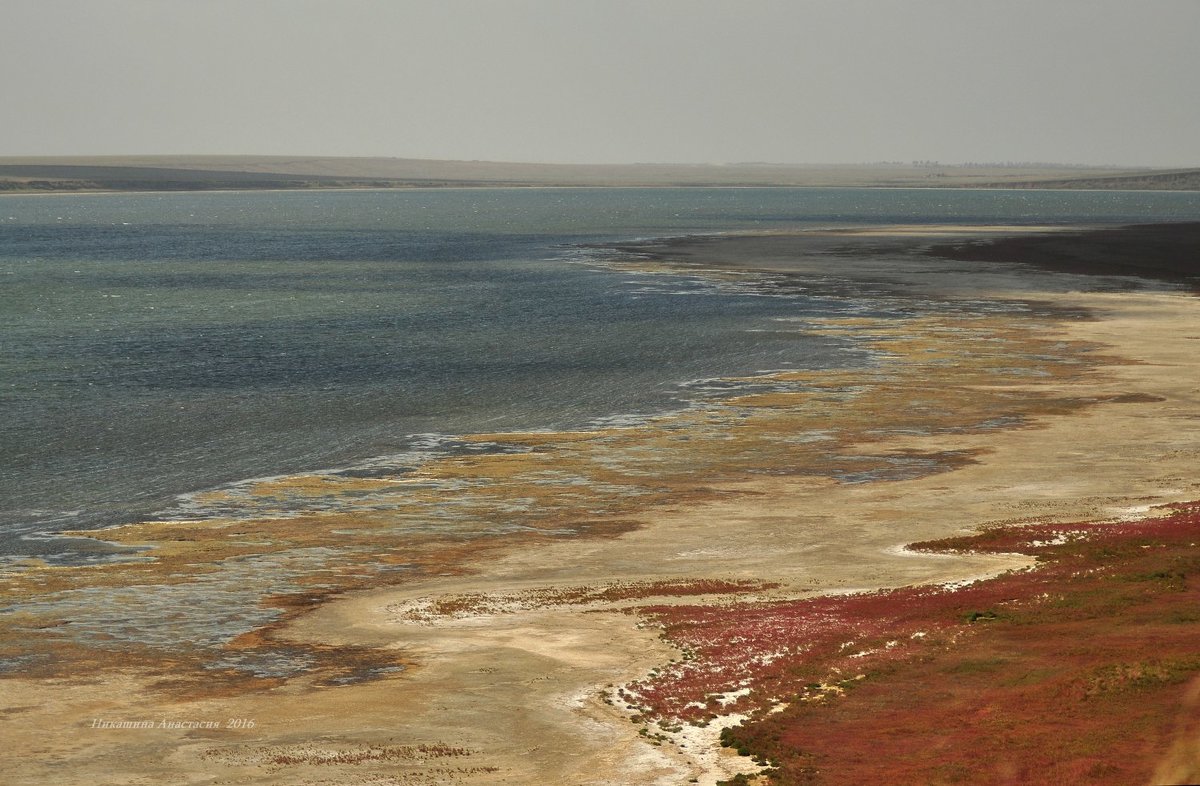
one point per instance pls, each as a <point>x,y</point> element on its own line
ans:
<point>607,81</point>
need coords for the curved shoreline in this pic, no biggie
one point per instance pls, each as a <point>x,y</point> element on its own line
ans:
<point>519,688</point>
<point>963,500</point>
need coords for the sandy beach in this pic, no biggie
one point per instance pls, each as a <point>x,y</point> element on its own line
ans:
<point>504,661</point>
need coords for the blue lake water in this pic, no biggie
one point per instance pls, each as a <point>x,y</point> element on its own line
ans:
<point>157,344</point>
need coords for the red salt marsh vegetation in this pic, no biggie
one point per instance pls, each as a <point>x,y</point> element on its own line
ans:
<point>1082,669</point>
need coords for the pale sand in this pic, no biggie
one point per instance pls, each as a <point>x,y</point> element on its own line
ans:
<point>523,690</point>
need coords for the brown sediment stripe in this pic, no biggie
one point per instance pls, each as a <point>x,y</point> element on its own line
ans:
<point>517,690</point>
<point>944,374</point>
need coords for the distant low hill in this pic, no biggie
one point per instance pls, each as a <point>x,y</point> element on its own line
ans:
<point>206,173</point>
<point>1174,180</point>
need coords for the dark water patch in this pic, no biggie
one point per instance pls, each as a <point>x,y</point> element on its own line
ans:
<point>905,466</point>
<point>363,675</point>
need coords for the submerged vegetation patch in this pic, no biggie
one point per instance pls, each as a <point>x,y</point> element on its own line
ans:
<point>242,551</point>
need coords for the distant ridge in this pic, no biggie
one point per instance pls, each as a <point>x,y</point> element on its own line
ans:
<point>1176,180</point>
<point>204,173</point>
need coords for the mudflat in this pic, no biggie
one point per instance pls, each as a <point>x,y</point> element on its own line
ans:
<point>503,663</point>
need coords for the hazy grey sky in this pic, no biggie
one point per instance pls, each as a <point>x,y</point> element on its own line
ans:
<point>1083,81</point>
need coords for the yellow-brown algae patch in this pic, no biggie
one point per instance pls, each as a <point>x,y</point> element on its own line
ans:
<point>315,485</point>
<point>939,376</point>
<point>1023,409</point>
<point>590,476</point>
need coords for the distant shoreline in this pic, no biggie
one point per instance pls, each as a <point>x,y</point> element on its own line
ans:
<point>535,187</point>
<point>157,174</point>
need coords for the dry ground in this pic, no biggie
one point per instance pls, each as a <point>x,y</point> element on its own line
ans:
<point>509,664</point>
